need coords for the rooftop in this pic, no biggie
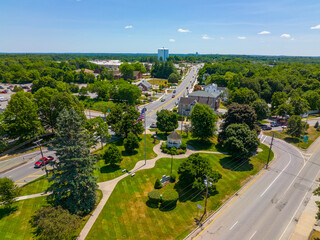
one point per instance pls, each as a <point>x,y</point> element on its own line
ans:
<point>174,135</point>
<point>203,94</point>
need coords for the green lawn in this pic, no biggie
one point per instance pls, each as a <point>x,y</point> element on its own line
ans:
<point>315,235</point>
<point>15,224</point>
<point>127,216</point>
<point>311,132</point>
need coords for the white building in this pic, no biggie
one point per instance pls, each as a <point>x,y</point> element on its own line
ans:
<point>213,88</point>
<point>108,63</point>
<point>163,53</point>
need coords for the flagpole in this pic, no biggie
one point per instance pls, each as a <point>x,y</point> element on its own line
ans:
<point>145,137</point>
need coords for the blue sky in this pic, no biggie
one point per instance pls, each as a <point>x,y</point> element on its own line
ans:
<point>286,27</point>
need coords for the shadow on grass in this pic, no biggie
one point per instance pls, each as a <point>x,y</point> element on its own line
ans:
<point>109,168</point>
<point>151,204</point>
<point>162,136</point>
<point>6,211</point>
<point>236,164</point>
<point>167,208</point>
<point>128,154</point>
<point>187,193</point>
<point>204,145</point>
<point>291,140</point>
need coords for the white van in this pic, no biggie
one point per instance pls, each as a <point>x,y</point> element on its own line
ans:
<point>3,99</point>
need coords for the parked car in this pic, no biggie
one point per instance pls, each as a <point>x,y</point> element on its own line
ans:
<point>173,96</point>
<point>4,91</point>
<point>153,125</point>
<point>3,99</point>
<point>266,128</point>
<point>187,87</point>
<point>163,100</point>
<point>174,91</point>
<point>1,87</point>
<point>43,161</point>
<point>284,127</point>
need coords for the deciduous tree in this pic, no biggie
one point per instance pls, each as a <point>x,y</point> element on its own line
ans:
<point>112,155</point>
<point>167,120</point>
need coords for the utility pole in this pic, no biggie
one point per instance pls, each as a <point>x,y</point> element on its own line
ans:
<point>44,163</point>
<point>207,191</point>
<point>270,150</point>
<point>145,136</point>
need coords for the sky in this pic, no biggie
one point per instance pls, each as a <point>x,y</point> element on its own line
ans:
<point>273,27</point>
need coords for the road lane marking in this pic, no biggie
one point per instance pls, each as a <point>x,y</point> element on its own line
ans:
<point>316,148</point>
<point>260,174</point>
<point>167,103</point>
<point>233,225</point>
<point>276,177</point>
<point>253,235</point>
<point>264,139</point>
<point>293,216</point>
<point>28,176</point>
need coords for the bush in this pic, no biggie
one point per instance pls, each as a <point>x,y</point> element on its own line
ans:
<point>316,125</point>
<point>74,88</point>
<point>157,184</point>
<point>169,199</point>
<point>183,146</point>
<point>172,177</point>
<point>131,142</point>
<point>180,118</point>
<point>154,197</point>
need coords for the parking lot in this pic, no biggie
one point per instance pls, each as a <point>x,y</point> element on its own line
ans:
<point>3,104</point>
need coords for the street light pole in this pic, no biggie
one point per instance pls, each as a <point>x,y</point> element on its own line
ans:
<point>42,157</point>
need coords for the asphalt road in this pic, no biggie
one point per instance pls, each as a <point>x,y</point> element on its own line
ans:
<point>270,204</point>
<point>170,102</point>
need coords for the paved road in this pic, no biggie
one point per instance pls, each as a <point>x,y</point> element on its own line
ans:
<point>170,102</point>
<point>269,207</point>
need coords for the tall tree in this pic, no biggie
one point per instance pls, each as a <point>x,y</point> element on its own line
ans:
<point>193,171</point>
<point>131,143</point>
<point>112,155</point>
<point>20,117</point>
<point>240,113</point>
<point>261,109</point>
<point>8,191</point>
<point>203,122</point>
<point>295,126</point>
<point>126,70</point>
<point>73,185</point>
<point>167,120</point>
<point>240,141</point>
<point>243,96</point>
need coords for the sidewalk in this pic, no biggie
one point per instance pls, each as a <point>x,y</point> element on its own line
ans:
<point>306,221</point>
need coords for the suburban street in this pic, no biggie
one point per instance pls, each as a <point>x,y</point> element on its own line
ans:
<point>270,205</point>
<point>170,102</point>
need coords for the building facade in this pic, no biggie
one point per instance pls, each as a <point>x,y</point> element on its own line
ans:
<point>163,54</point>
<point>186,104</point>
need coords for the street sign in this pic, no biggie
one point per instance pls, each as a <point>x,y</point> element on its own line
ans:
<point>199,206</point>
<point>305,138</point>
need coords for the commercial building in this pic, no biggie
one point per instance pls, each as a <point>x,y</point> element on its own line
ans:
<point>163,54</point>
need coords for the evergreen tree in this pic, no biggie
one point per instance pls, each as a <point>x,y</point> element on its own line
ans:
<point>131,142</point>
<point>112,155</point>
<point>73,187</point>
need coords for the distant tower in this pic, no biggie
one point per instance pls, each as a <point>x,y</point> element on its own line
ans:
<point>197,54</point>
<point>163,54</point>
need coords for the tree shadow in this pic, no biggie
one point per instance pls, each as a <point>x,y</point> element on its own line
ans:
<point>187,193</point>
<point>6,211</point>
<point>128,154</point>
<point>109,168</point>
<point>236,165</point>
<point>167,208</point>
<point>162,136</point>
<point>151,204</point>
<point>291,140</point>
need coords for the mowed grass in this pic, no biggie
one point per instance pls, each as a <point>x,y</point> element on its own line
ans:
<point>311,132</point>
<point>127,216</point>
<point>106,172</point>
<point>158,81</point>
<point>315,235</point>
<point>103,172</point>
<point>15,225</point>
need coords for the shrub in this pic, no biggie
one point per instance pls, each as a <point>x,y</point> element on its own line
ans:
<point>172,177</point>
<point>180,117</point>
<point>183,146</point>
<point>157,184</point>
<point>316,125</point>
<point>154,197</point>
<point>169,199</point>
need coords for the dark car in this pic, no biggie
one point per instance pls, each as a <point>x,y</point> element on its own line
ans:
<point>163,100</point>
<point>174,91</point>
<point>173,96</point>
<point>266,128</point>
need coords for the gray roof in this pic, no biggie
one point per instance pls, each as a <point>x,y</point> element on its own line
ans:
<point>174,135</point>
<point>184,100</point>
<point>146,84</point>
<point>221,88</point>
<point>203,94</point>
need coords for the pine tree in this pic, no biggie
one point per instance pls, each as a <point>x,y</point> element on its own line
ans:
<point>74,187</point>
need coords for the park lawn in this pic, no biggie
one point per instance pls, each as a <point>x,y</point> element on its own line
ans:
<point>315,235</point>
<point>107,172</point>
<point>311,132</point>
<point>38,185</point>
<point>127,216</point>
<point>15,225</point>
<point>200,145</point>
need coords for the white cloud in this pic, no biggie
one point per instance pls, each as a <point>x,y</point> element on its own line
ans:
<point>264,32</point>
<point>183,30</point>
<point>292,39</point>
<point>172,40</point>
<point>206,37</point>
<point>128,27</point>
<point>316,27</point>
<point>242,38</point>
<point>285,35</point>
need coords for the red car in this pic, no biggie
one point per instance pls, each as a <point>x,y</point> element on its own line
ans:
<point>173,96</point>
<point>43,161</point>
<point>4,91</point>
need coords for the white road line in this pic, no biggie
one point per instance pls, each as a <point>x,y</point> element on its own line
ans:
<point>253,235</point>
<point>304,164</point>
<point>233,225</point>
<point>276,178</point>
<point>293,216</point>
<point>264,139</point>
